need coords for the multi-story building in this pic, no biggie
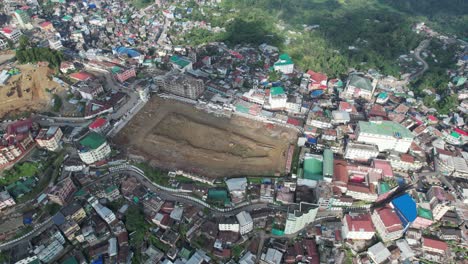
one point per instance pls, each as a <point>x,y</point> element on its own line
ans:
<point>362,191</point>
<point>61,191</point>
<point>245,222</point>
<point>359,87</point>
<point>88,90</point>
<point>405,207</point>
<point>434,246</point>
<point>23,19</point>
<point>11,34</point>
<point>181,64</point>
<point>3,45</point>
<point>105,213</point>
<point>181,85</point>
<point>6,200</point>
<point>361,152</point>
<point>423,219</point>
<point>300,218</point>
<point>387,224</point>
<point>49,138</point>
<point>284,64</point>
<point>53,247</point>
<point>404,162</point>
<point>55,42</point>
<point>277,99</point>
<point>440,201</point>
<point>229,224</point>
<point>386,135</point>
<point>358,227</point>
<point>99,125</point>
<point>122,74</point>
<point>74,212</point>
<point>318,119</point>
<point>69,229</point>
<point>93,148</point>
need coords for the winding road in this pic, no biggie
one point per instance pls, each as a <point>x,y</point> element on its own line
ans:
<point>417,53</point>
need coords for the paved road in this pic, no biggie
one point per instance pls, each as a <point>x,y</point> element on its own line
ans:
<point>37,230</point>
<point>417,53</point>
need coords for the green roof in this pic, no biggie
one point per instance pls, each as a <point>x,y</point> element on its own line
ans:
<point>425,213</point>
<point>382,95</point>
<point>284,59</point>
<point>384,187</point>
<point>276,91</point>
<point>242,109</point>
<point>93,140</point>
<point>385,128</point>
<point>327,162</point>
<point>67,18</point>
<point>179,61</point>
<point>360,82</point>
<point>70,260</point>
<point>111,188</point>
<point>313,169</point>
<point>80,192</point>
<point>116,69</point>
<point>185,253</point>
<point>461,81</point>
<point>455,134</point>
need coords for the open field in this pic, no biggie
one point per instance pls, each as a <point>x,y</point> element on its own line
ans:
<point>174,135</point>
<point>27,90</point>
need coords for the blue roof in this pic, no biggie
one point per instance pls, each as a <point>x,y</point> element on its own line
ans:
<point>465,58</point>
<point>406,208</point>
<point>130,52</point>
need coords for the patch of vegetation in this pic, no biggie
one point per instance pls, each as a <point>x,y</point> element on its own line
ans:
<point>155,175</point>
<point>52,208</point>
<point>157,243</point>
<point>20,170</point>
<point>57,103</point>
<point>141,3</point>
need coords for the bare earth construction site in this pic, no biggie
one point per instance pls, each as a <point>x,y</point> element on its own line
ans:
<point>174,135</point>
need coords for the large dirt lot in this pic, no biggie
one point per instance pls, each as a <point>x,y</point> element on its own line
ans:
<point>174,135</point>
<point>27,91</point>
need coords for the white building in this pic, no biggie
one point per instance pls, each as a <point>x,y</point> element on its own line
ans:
<point>11,34</point>
<point>229,224</point>
<point>272,256</point>
<point>105,213</point>
<point>284,64</point>
<point>386,135</point>
<point>49,138</point>
<point>277,98</point>
<point>439,201</point>
<point>387,224</point>
<point>361,152</point>
<point>55,43</point>
<point>23,19</point>
<point>340,117</point>
<point>404,162</point>
<point>359,87</point>
<point>245,222</point>
<point>3,45</point>
<point>299,219</point>
<point>378,253</point>
<point>93,148</point>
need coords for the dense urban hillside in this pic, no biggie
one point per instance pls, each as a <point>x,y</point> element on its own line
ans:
<point>331,36</point>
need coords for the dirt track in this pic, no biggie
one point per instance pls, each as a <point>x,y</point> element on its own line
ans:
<point>174,135</point>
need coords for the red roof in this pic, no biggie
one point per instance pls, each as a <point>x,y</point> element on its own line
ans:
<point>390,219</point>
<point>461,132</point>
<point>436,244</point>
<point>360,223</point>
<point>82,76</point>
<point>45,24</point>
<point>432,118</point>
<point>7,30</point>
<point>407,158</point>
<point>99,122</point>
<point>317,77</point>
<point>293,121</point>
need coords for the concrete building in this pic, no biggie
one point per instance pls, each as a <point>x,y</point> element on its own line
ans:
<point>181,85</point>
<point>93,148</point>
<point>359,87</point>
<point>378,253</point>
<point>404,162</point>
<point>405,207</point>
<point>6,200</point>
<point>11,34</point>
<point>229,224</point>
<point>440,201</point>
<point>89,90</point>
<point>61,191</point>
<point>245,222</point>
<point>181,64</point>
<point>434,246</point>
<point>361,152</point>
<point>387,224</point>
<point>55,42</point>
<point>272,256</point>
<point>277,99</point>
<point>423,219</point>
<point>3,45</point>
<point>49,138</point>
<point>122,74</point>
<point>357,227</point>
<point>300,218</point>
<point>23,19</point>
<point>105,213</point>
<point>284,64</point>
<point>386,135</point>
